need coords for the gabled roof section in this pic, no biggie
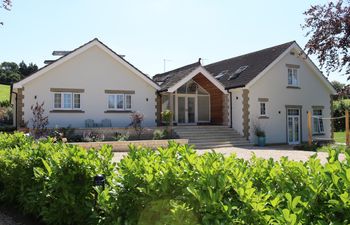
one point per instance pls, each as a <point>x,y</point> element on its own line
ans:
<point>170,78</point>
<point>81,49</point>
<point>229,73</point>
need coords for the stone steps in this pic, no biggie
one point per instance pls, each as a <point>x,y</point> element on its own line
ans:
<point>207,137</point>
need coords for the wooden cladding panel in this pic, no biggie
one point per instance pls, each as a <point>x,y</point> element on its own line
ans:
<point>216,98</point>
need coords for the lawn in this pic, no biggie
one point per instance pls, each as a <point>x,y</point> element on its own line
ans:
<point>4,92</point>
<point>339,137</point>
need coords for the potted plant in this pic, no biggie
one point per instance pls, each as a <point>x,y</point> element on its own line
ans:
<point>261,136</point>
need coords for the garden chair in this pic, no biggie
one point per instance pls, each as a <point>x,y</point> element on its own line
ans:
<point>89,123</point>
<point>106,123</point>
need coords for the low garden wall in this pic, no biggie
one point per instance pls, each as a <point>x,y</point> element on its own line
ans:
<point>123,146</point>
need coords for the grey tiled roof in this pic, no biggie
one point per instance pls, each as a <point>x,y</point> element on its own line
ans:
<point>170,78</point>
<point>256,62</point>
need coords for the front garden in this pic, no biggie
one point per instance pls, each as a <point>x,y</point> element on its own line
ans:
<point>58,183</point>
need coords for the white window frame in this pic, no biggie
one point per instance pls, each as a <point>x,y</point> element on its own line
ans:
<point>260,108</point>
<point>294,77</point>
<point>124,108</point>
<point>320,129</point>
<point>72,98</point>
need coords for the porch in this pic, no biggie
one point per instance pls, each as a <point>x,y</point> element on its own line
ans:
<point>195,102</point>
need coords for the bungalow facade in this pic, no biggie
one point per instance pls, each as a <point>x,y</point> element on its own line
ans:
<point>272,89</point>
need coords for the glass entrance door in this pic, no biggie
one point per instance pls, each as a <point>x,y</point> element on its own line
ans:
<point>186,109</point>
<point>191,109</point>
<point>181,110</point>
<point>293,126</point>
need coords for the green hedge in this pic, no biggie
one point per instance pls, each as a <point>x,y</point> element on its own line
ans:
<point>172,185</point>
<point>52,181</point>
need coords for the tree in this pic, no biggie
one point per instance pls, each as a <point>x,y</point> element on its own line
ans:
<point>10,72</point>
<point>25,70</point>
<point>338,86</point>
<point>328,27</point>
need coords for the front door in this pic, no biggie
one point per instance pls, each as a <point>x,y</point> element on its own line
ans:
<point>293,126</point>
<point>186,107</point>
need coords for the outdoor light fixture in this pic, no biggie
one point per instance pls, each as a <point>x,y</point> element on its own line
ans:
<point>99,180</point>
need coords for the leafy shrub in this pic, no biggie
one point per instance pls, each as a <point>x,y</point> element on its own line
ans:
<point>6,115</point>
<point>160,134</point>
<point>8,129</point>
<point>219,190</point>
<point>93,136</point>
<point>167,116</point>
<point>121,136</point>
<point>172,185</point>
<point>5,103</point>
<point>136,123</point>
<point>52,180</point>
<point>39,120</point>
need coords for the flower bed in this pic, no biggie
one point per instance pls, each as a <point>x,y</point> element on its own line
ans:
<point>123,146</point>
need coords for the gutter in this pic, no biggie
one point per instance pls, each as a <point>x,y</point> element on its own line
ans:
<point>15,104</point>
<point>234,87</point>
<point>230,109</point>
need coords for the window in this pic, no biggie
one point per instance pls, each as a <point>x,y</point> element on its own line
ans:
<point>262,109</point>
<point>119,102</point>
<point>317,121</point>
<point>293,77</point>
<point>127,101</point>
<point>67,101</point>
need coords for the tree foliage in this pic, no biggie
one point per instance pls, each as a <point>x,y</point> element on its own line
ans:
<point>328,27</point>
<point>10,72</point>
<point>338,86</point>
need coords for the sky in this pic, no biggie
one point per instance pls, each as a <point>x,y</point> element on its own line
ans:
<point>151,31</point>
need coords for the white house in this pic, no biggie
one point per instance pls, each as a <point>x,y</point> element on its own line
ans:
<point>273,89</point>
<point>89,83</point>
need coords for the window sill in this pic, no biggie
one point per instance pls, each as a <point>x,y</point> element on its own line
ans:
<point>66,111</point>
<point>293,87</point>
<point>118,111</point>
<point>318,134</point>
<point>263,117</point>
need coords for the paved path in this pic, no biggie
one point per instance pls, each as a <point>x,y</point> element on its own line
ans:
<point>275,152</point>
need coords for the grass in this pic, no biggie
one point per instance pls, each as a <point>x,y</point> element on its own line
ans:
<point>339,137</point>
<point>4,92</point>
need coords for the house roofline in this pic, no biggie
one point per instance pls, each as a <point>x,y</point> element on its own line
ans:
<point>202,70</point>
<point>308,61</point>
<point>81,49</point>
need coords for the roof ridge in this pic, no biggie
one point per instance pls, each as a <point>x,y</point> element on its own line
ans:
<point>178,69</point>
<point>249,53</point>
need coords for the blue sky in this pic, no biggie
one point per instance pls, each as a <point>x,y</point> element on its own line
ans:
<point>149,31</point>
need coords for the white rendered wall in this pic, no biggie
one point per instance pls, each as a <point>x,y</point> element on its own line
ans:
<point>94,71</point>
<point>273,85</point>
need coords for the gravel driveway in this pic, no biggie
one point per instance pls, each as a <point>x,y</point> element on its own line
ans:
<point>275,152</point>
